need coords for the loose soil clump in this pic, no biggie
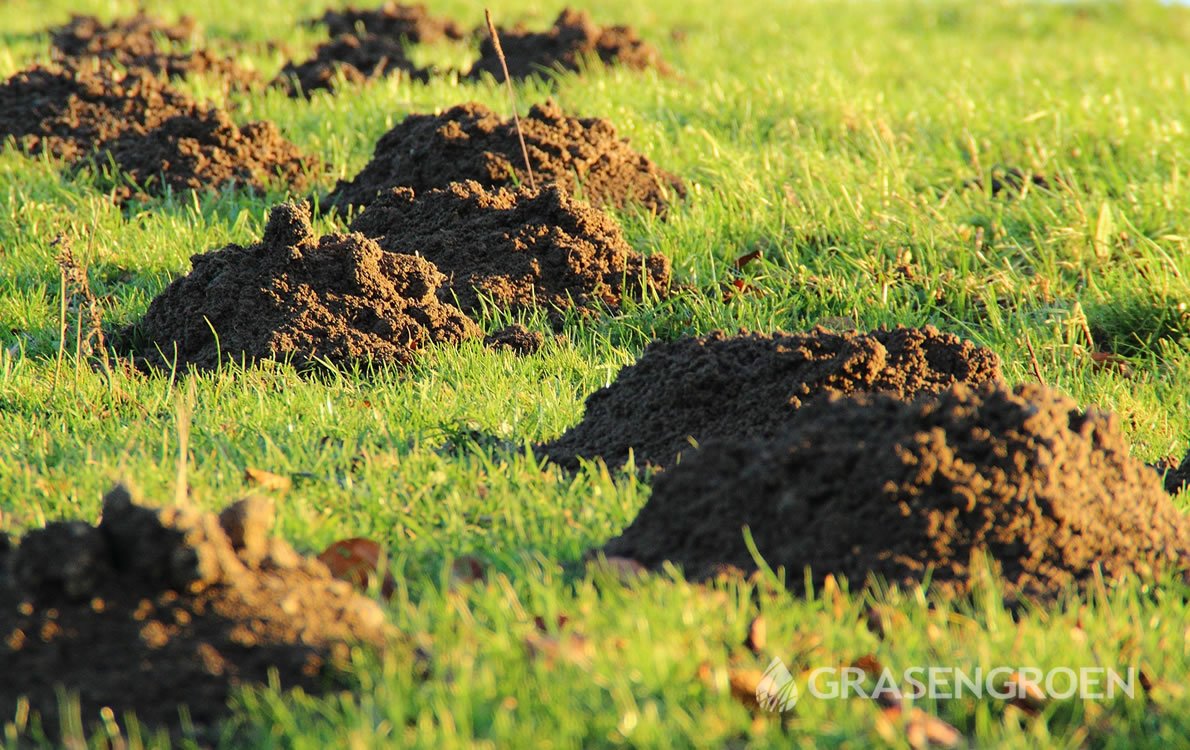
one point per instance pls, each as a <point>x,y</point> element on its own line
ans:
<point>724,387</point>
<point>518,248</point>
<point>471,142</point>
<point>338,299</point>
<point>410,22</point>
<point>357,58</point>
<point>155,609</point>
<point>516,339</point>
<point>156,136</point>
<point>872,484</point>
<point>573,40</point>
<point>135,42</point>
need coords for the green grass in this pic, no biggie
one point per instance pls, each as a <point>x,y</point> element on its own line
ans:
<point>837,138</point>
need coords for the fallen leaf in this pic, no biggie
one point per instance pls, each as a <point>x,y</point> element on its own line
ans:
<point>747,258</point>
<point>267,480</point>
<point>757,635</point>
<point>1110,361</point>
<point>355,560</point>
<point>739,287</point>
<point>920,729</point>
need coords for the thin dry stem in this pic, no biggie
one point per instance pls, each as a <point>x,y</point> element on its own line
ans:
<point>516,120</point>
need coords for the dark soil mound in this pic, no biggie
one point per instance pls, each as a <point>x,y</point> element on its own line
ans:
<point>516,339</point>
<point>519,248</point>
<point>733,388</point>
<point>471,142</point>
<point>339,298</point>
<point>411,22</point>
<point>875,485</point>
<point>135,42</point>
<point>155,134</point>
<point>1177,475</point>
<point>70,112</point>
<point>204,150</point>
<point>355,57</point>
<point>573,41</point>
<point>153,609</point>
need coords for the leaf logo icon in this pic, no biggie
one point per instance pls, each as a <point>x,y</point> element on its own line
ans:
<point>776,690</point>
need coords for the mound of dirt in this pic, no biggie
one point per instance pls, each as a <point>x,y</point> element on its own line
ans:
<point>520,249</point>
<point>155,609</point>
<point>135,42</point>
<point>204,150</point>
<point>69,112</point>
<point>471,142</point>
<point>571,42</point>
<point>357,58</point>
<point>871,484</point>
<point>1176,474</point>
<point>410,22</point>
<point>516,339</point>
<point>292,297</point>
<point>156,135</point>
<point>721,387</point>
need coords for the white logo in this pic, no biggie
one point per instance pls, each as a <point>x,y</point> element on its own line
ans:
<point>776,690</point>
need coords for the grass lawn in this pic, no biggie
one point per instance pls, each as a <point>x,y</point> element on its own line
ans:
<point>838,138</point>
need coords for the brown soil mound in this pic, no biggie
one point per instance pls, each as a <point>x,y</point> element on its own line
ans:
<point>69,112</point>
<point>874,485</point>
<point>204,150</point>
<point>356,57</point>
<point>339,298</point>
<point>411,22</point>
<point>153,609</point>
<point>156,135</point>
<point>516,339</point>
<point>471,142</point>
<point>519,248</point>
<point>134,42</point>
<point>721,387</point>
<point>573,40</point>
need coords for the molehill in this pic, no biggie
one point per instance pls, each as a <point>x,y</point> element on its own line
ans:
<point>735,387</point>
<point>874,485</point>
<point>471,142</point>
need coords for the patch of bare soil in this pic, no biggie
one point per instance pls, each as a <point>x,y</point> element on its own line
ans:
<point>354,57</point>
<point>736,387</point>
<point>145,42</point>
<point>153,610</point>
<point>338,299</point>
<point>571,42</point>
<point>471,142</point>
<point>156,136</point>
<point>518,248</point>
<point>411,22</point>
<point>874,485</point>
<point>516,339</point>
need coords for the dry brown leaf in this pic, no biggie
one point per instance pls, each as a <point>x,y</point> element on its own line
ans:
<point>267,480</point>
<point>757,635</point>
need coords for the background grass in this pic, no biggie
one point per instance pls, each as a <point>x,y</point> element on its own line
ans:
<point>840,139</point>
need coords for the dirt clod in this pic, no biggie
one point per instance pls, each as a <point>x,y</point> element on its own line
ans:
<point>724,387</point>
<point>520,248</point>
<point>871,484</point>
<point>339,298</point>
<point>471,142</point>
<point>411,22</point>
<point>136,42</point>
<point>355,57</point>
<point>573,40</point>
<point>516,339</point>
<point>154,609</point>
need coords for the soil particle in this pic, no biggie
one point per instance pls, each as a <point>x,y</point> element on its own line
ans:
<point>357,58</point>
<point>573,40</point>
<point>154,608</point>
<point>411,22</point>
<point>736,387</point>
<point>471,142</point>
<point>1012,181</point>
<point>871,484</point>
<point>519,248</point>
<point>157,136</point>
<point>135,42</point>
<point>516,339</point>
<point>339,298</point>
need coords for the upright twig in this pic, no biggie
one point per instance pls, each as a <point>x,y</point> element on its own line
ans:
<point>1033,359</point>
<point>183,413</point>
<point>516,120</point>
